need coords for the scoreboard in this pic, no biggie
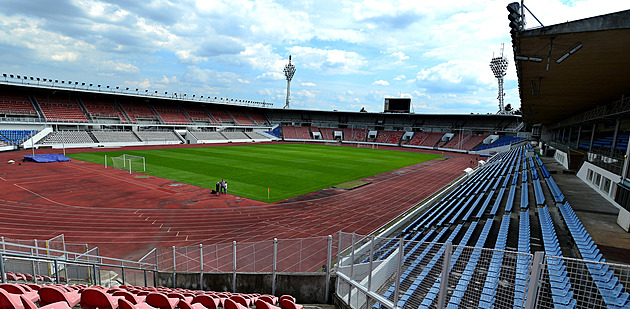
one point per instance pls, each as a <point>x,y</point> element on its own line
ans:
<point>397,105</point>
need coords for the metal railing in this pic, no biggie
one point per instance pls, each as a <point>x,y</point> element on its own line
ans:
<point>54,260</point>
<point>377,273</point>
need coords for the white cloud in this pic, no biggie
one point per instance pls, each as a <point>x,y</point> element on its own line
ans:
<point>381,83</point>
<point>119,66</point>
<point>328,60</point>
<point>308,84</point>
<point>399,56</point>
<point>270,76</point>
<point>400,77</point>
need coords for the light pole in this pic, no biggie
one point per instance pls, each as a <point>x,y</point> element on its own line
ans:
<point>498,65</point>
<point>289,70</point>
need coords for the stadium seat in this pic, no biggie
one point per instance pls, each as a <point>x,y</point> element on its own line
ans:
<point>125,304</point>
<point>52,294</point>
<point>230,304</point>
<point>19,289</point>
<point>31,305</point>
<point>94,298</point>
<point>161,301</point>
<point>207,301</point>
<point>261,304</point>
<point>288,303</point>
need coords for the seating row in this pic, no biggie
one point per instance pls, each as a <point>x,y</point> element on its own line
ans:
<point>523,261</point>
<point>494,269</point>
<point>561,291</point>
<point>607,283</point>
<point>18,296</point>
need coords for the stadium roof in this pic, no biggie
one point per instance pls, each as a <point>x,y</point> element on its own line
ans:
<point>580,65</point>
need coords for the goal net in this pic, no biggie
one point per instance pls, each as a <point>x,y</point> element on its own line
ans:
<point>130,163</point>
<point>372,146</point>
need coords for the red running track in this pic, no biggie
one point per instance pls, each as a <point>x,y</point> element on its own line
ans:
<point>126,215</point>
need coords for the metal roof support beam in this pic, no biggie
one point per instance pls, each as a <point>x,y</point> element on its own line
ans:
<point>613,109</point>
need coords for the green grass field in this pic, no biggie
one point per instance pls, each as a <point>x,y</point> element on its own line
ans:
<point>288,170</point>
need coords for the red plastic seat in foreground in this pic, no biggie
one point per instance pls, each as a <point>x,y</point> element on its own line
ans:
<point>161,301</point>
<point>261,304</point>
<point>185,305</point>
<point>269,299</point>
<point>10,301</point>
<point>30,305</point>
<point>93,298</point>
<point>288,304</point>
<point>125,304</point>
<point>230,304</point>
<point>52,294</point>
<point>134,299</point>
<point>18,289</point>
<point>207,301</point>
<point>241,300</point>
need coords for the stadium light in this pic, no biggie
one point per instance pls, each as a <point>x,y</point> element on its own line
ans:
<point>569,53</point>
<point>5,76</point>
<point>289,71</point>
<point>516,18</point>
<point>136,90</point>
<point>499,65</point>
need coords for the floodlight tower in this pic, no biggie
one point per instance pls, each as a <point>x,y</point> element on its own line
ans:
<point>498,65</point>
<point>289,70</point>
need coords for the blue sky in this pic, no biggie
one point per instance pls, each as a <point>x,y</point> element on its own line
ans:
<point>348,54</point>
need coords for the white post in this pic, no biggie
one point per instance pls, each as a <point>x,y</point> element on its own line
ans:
<point>105,161</point>
<point>129,166</point>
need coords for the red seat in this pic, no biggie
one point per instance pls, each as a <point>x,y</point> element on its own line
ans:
<point>134,299</point>
<point>261,304</point>
<point>125,304</point>
<point>161,301</point>
<point>207,301</point>
<point>93,298</point>
<point>181,296</point>
<point>241,300</point>
<point>185,305</point>
<point>30,305</point>
<point>17,289</point>
<point>271,299</point>
<point>230,304</point>
<point>286,303</point>
<point>10,301</point>
<point>52,294</point>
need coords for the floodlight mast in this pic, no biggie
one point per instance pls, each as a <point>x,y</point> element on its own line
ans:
<point>289,70</point>
<point>499,65</point>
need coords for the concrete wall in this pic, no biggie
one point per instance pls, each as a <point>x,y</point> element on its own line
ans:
<point>307,288</point>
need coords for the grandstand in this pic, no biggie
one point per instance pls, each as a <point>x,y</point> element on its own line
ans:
<point>447,232</point>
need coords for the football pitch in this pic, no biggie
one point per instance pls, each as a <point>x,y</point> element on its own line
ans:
<point>286,170</point>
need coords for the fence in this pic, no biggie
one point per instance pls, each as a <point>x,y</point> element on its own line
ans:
<point>54,260</point>
<point>379,273</point>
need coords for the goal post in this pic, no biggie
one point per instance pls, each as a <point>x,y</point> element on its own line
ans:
<point>132,163</point>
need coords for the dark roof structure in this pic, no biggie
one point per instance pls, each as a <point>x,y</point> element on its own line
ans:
<point>570,68</point>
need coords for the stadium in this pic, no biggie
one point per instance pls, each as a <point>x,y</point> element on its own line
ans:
<point>112,197</point>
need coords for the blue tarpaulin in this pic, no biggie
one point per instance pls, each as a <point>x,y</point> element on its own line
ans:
<point>46,158</point>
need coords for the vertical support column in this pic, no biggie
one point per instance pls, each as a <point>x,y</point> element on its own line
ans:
<point>3,280</point>
<point>174,269</point>
<point>56,272</point>
<point>532,288</point>
<point>328,262</point>
<point>201,266</point>
<point>615,136</point>
<point>36,254</point>
<point>577,141</point>
<point>590,146</point>
<point>122,271</point>
<point>274,266</point>
<point>446,266</point>
<point>570,135</point>
<point>94,274</point>
<point>401,252</point>
<point>33,267</point>
<point>369,284</point>
<point>338,267</point>
<point>351,272</point>
<point>144,272</point>
<point>155,270</point>
<point>3,245</point>
<point>98,268</point>
<point>234,266</point>
<point>626,158</point>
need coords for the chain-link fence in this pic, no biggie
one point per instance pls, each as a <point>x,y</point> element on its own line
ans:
<point>54,260</point>
<point>279,255</point>
<point>376,273</point>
